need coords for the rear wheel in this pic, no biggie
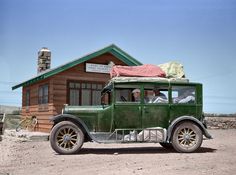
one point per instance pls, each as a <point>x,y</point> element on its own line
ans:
<point>66,138</point>
<point>187,137</point>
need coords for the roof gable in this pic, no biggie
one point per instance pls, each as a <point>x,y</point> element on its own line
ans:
<point>113,49</point>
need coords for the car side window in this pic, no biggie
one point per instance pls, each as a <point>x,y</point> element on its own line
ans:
<point>183,94</point>
<point>128,95</point>
<point>155,94</point>
<point>123,95</point>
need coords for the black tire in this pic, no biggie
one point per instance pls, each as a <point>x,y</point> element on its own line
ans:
<point>187,137</point>
<point>66,138</point>
<point>166,145</point>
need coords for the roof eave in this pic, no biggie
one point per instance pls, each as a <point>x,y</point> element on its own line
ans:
<point>25,83</point>
<point>113,49</point>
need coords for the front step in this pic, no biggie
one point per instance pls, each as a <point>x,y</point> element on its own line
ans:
<point>130,135</point>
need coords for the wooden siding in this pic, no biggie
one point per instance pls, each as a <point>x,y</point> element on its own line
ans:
<point>58,90</point>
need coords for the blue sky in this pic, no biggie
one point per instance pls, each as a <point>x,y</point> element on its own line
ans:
<point>200,34</point>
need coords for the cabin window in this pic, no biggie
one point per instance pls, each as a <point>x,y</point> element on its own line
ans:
<point>27,98</point>
<point>43,94</point>
<point>84,93</point>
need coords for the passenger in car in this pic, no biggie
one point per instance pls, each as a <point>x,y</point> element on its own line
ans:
<point>159,94</point>
<point>136,95</point>
<point>158,97</point>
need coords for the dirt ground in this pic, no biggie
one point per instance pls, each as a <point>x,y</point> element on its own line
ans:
<point>217,156</point>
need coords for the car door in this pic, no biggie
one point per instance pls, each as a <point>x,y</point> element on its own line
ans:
<point>155,110</point>
<point>127,112</point>
<point>183,101</point>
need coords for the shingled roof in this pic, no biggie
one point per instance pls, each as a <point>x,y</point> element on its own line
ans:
<point>112,49</point>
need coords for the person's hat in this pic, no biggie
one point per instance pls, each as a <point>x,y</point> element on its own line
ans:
<point>136,90</point>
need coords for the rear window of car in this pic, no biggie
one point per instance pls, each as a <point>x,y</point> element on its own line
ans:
<point>183,94</point>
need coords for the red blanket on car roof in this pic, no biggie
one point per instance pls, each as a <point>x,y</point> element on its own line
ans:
<point>146,70</point>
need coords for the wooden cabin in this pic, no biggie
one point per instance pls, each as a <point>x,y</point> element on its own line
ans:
<point>78,82</point>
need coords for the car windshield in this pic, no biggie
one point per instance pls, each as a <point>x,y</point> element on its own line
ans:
<point>106,94</point>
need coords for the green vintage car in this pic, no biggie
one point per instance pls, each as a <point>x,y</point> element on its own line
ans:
<point>136,110</point>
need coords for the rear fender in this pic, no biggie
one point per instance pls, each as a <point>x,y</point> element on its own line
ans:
<point>183,119</point>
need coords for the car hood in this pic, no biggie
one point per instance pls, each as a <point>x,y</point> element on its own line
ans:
<point>82,109</point>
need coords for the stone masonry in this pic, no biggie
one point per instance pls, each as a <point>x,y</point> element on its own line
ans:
<point>221,122</point>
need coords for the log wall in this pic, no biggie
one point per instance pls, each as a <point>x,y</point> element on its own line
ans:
<point>58,87</point>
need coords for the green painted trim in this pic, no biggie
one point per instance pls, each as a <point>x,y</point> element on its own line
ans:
<point>31,81</point>
<point>113,49</point>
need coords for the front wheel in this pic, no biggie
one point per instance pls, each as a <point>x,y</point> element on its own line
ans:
<point>187,137</point>
<point>66,138</point>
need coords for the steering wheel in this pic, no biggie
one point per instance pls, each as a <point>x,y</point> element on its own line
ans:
<point>123,98</point>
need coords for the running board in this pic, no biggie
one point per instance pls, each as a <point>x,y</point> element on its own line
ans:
<point>130,135</point>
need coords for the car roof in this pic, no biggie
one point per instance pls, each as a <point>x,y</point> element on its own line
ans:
<point>124,80</point>
<point>148,79</point>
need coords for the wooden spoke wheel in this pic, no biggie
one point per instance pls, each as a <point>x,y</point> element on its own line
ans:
<point>187,137</point>
<point>66,138</point>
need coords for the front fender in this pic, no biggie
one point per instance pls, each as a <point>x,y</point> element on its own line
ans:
<point>68,117</point>
<point>186,118</point>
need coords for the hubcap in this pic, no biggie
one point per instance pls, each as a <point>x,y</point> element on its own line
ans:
<point>67,138</point>
<point>187,137</point>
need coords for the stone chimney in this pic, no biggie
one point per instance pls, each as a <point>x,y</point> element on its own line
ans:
<point>44,59</point>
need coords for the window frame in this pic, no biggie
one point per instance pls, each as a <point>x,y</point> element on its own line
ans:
<point>129,88</point>
<point>90,88</point>
<point>27,98</point>
<point>186,86</point>
<point>164,89</point>
<point>45,94</point>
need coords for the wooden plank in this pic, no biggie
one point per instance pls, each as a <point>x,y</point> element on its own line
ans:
<point>44,128</point>
<point>58,89</point>
<point>44,122</point>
